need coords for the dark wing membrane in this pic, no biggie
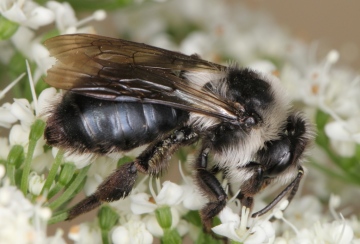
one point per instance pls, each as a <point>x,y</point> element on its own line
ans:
<point>119,70</point>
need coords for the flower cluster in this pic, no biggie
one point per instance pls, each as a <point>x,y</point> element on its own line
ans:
<point>37,182</point>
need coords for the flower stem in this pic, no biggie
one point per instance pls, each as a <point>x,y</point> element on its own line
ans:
<point>69,192</point>
<point>65,176</point>
<point>37,129</point>
<point>52,173</point>
<point>15,158</point>
<point>58,218</point>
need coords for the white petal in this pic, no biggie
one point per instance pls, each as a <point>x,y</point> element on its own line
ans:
<point>262,233</point>
<point>85,233</point>
<point>182,227</point>
<point>344,148</point>
<point>64,14</point>
<point>336,130</point>
<point>22,110</point>
<point>5,148</point>
<point>92,182</point>
<point>42,162</point>
<point>36,183</point>
<point>39,16</point>
<point>120,235</point>
<point>2,171</point>
<point>171,194</point>
<point>144,238</point>
<point>263,66</point>
<point>40,54</point>
<point>341,232</point>
<point>19,136</point>
<point>175,217</point>
<point>6,117</point>
<point>153,226</point>
<point>140,204</point>
<point>15,14</point>
<point>227,215</point>
<point>192,199</point>
<point>22,40</point>
<point>227,230</point>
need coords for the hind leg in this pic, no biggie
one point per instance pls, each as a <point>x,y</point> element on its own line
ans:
<point>153,161</point>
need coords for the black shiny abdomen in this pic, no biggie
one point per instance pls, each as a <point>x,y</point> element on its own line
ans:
<point>86,124</point>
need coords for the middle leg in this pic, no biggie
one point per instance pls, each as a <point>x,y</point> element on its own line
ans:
<point>211,188</point>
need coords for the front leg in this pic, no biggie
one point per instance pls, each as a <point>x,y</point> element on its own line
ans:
<point>211,188</point>
<point>258,182</point>
<point>252,186</point>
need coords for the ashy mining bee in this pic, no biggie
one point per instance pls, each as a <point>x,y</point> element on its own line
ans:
<point>121,95</point>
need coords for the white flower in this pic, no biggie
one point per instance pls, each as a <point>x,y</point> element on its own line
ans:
<point>101,168</point>
<point>20,110</point>
<point>21,221</point>
<point>263,66</point>
<point>36,183</point>
<point>197,42</point>
<point>42,160</point>
<point>236,229</point>
<point>2,171</point>
<point>140,203</point>
<point>28,44</point>
<point>335,232</point>
<point>133,231</point>
<point>305,211</point>
<point>170,195</point>
<point>23,111</point>
<point>66,20</point>
<point>89,233</point>
<point>64,15</point>
<point>6,117</point>
<point>5,148</point>
<point>19,136</point>
<point>26,13</point>
<point>192,199</point>
<point>344,135</point>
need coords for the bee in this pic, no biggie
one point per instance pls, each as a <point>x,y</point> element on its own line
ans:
<point>122,95</point>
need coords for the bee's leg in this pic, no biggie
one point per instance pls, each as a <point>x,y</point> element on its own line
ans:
<point>252,186</point>
<point>258,182</point>
<point>119,184</point>
<point>153,160</point>
<point>211,188</point>
<point>292,188</point>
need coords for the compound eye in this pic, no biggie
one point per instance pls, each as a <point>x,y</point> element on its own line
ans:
<point>250,121</point>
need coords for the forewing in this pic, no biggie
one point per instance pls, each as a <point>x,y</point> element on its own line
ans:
<point>119,70</point>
